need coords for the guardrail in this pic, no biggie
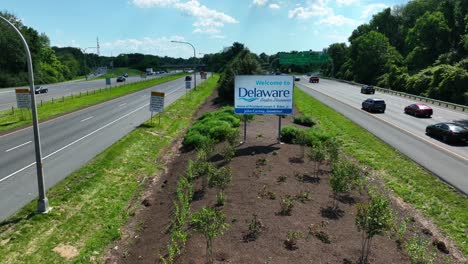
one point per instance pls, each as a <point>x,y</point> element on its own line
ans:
<point>459,107</point>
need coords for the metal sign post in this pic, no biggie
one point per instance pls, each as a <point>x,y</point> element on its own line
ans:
<point>279,129</point>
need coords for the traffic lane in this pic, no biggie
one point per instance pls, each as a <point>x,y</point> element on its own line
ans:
<point>18,191</point>
<point>434,159</point>
<point>59,90</point>
<point>394,114</point>
<point>55,133</point>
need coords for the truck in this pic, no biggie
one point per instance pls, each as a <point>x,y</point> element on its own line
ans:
<point>149,71</point>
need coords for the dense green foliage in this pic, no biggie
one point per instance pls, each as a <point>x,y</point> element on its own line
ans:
<point>419,48</point>
<point>213,127</point>
<point>304,120</point>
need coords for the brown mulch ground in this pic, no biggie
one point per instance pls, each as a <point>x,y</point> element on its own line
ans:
<point>255,190</point>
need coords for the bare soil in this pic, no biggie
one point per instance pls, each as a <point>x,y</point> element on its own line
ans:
<point>264,173</point>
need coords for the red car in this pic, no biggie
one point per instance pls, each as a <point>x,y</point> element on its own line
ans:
<point>418,110</point>
<point>314,79</point>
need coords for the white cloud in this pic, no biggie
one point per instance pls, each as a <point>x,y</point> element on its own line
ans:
<point>315,9</point>
<point>346,2</point>
<point>207,20</point>
<point>371,9</point>
<point>156,46</point>
<point>260,2</point>
<point>337,20</point>
<point>274,6</point>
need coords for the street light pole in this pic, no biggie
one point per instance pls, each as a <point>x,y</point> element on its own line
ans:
<point>195,56</point>
<point>84,58</point>
<point>42,202</point>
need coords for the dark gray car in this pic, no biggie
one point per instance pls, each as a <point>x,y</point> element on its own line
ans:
<point>374,105</point>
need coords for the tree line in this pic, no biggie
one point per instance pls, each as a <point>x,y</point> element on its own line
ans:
<point>420,48</point>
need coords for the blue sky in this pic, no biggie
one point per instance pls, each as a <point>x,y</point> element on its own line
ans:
<point>148,26</point>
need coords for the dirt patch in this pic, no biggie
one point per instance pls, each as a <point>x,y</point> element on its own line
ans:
<point>66,251</point>
<point>265,172</point>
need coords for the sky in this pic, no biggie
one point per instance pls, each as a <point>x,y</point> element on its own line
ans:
<point>148,26</point>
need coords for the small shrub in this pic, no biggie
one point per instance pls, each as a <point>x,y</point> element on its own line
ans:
<point>286,204</point>
<point>372,219</point>
<point>261,162</point>
<point>316,231</point>
<point>228,152</point>
<point>220,199</point>
<point>282,178</point>
<point>266,193</point>
<point>345,175</point>
<point>255,227</point>
<point>289,134</point>
<point>303,197</point>
<point>210,223</point>
<point>317,154</point>
<point>291,239</point>
<point>304,120</point>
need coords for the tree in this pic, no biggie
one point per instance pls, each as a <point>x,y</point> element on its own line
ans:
<point>424,47</point>
<point>221,180</point>
<point>372,219</point>
<point>210,223</point>
<point>372,54</point>
<point>317,154</point>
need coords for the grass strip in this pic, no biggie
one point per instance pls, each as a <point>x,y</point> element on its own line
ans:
<point>116,72</point>
<point>49,109</point>
<point>91,204</point>
<point>411,182</point>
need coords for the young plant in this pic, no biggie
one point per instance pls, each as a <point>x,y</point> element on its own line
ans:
<point>316,231</point>
<point>282,178</point>
<point>228,152</point>
<point>317,154</point>
<point>372,219</point>
<point>220,199</point>
<point>291,240</point>
<point>345,175</point>
<point>303,197</point>
<point>210,223</point>
<point>221,180</point>
<point>286,204</point>
<point>255,227</point>
<point>332,147</point>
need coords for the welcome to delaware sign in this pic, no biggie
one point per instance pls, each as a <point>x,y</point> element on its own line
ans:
<point>263,94</point>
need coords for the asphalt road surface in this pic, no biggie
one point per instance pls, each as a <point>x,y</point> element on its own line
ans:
<point>68,142</point>
<point>57,90</point>
<point>404,132</point>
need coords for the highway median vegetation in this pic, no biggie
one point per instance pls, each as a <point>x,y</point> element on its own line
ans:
<point>93,203</point>
<point>415,185</point>
<point>11,119</point>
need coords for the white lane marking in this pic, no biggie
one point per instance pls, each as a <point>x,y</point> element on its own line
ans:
<point>86,119</point>
<point>6,92</point>
<point>122,104</point>
<point>8,150</point>
<point>74,142</point>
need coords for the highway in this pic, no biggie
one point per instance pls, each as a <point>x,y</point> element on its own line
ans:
<point>68,142</point>
<point>404,132</point>
<point>57,90</point>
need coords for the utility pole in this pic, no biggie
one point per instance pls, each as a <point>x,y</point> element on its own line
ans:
<point>42,202</point>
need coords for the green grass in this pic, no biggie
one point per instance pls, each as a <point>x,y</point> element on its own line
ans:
<point>116,72</point>
<point>448,208</point>
<point>10,120</point>
<point>92,203</point>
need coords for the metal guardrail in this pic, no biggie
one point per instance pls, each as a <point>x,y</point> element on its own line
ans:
<point>453,106</point>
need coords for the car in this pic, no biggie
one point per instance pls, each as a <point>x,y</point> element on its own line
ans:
<point>121,79</point>
<point>418,110</point>
<point>448,132</point>
<point>374,105</point>
<point>309,74</point>
<point>296,79</point>
<point>314,79</point>
<point>367,89</point>
<point>125,75</point>
<point>188,78</point>
<point>40,89</point>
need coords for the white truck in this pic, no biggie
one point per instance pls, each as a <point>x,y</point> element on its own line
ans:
<point>149,71</point>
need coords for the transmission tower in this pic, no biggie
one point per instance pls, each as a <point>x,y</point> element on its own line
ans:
<point>97,45</point>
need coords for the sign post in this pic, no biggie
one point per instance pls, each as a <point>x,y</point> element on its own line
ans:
<point>263,95</point>
<point>157,104</point>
